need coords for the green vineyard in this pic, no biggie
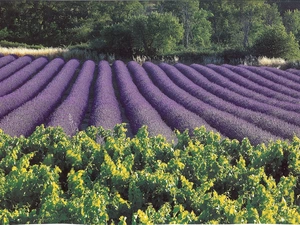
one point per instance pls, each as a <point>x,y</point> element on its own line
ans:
<point>104,177</point>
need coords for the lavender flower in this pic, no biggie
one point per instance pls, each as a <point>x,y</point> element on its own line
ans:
<point>226,123</point>
<point>137,109</point>
<point>4,60</point>
<point>280,84</point>
<point>31,88</point>
<point>23,120</point>
<point>175,115</point>
<point>70,113</point>
<point>105,111</point>
<point>21,76</point>
<point>269,123</point>
<point>239,100</point>
<point>14,66</point>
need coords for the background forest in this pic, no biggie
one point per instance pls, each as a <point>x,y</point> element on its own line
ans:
<point>186,28</point>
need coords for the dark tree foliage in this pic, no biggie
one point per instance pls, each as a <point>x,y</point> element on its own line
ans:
<point>42,22</point>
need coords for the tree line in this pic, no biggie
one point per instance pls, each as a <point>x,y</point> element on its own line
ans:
<point>125,28</point>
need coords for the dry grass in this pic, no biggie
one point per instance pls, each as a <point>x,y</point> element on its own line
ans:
<point>93,55</point>
<point>58,52</point>
<point>274,62</point>
<point>48,52</point>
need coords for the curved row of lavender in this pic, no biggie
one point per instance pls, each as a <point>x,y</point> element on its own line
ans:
<point>31,88</point>
<point>4,60</point>
<point>20,77</point>
<point>174,114</point>
<point>239,100</point>
<point>287,85</point>
<point>14,66</point>
<point>70,113</point>
<point>269,123</point>
<point>137,109</point>
<point>293,95</point>
<point>105,110</point>
<point>163,97</point>
<point>294,71</point>
<point>23,120</point>
<point>227,124</point>
<point>237,83</point>
<point>284,73</point>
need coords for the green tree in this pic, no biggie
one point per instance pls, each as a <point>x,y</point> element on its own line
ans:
<point>110,30</point>
<point>43,22</point>
<point>269,17</point>
<point>116,39</point>
<point>3,33</point>
<point>237,23</point>
<point>201,29</point>
<point>276,42</point>
<point>197,27</point>
<point>155,33</point>
<point>224,23</point>
<point>291,20</point>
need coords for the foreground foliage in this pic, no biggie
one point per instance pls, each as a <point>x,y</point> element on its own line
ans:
<point>98,177</point>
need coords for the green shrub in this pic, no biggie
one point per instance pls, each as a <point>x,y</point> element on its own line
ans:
<point>276,42</point>
<point>9,44</point>
<point>50,177</point>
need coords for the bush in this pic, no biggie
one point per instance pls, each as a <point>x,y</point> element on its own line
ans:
<point>276,42</point>
<point>50,177</point>
<point>10,44</point>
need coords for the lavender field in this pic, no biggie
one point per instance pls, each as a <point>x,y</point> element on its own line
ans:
<point>260,103</point>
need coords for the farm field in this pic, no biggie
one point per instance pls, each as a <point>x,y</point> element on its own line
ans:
<point>74,147</point>
<point>260,103</point>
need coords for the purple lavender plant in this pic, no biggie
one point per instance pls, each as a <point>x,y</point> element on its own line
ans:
<point>294,71</point>
<point>292,95</point>
<point>272,124</point>
<point>31,88</point>
<point>175,115</point>
<point>285,86</point>
<point>23,120</point>
<point>20,77</point>
<point>137,109</point>
<point>257,92</point>
<point>4,60</point>
<point>226,123</point>
<point>105,110</point>
<point>70,113</point>
<point>286,74</point>
<point>14,66</point>
<point>239,100</point>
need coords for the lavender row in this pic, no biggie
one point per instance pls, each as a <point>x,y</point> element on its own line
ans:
<point>269,123</point>
<point>294,71</point>
<point>293,95</point>
<point>31,88</point>
<point>20,77</point>
<point>105,111</point>
<point>137,109</point>
<point>4,60</point>
<point>239,100</point>
<point>240,85</point>
<point>288,86</point>
<point>225,123</point>
<point>14,66</point>
<point>70,113</point>
<point>175,115</point>
<point>23,120</point>
<point>221,76</point>
<point>286,74</point>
